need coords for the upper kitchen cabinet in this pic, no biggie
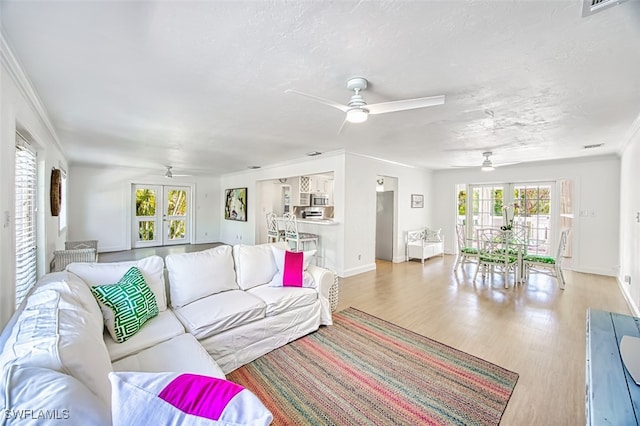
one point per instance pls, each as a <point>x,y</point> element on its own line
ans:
<point>322,184</point>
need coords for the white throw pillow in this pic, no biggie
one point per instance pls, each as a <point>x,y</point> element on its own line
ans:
<point>152,269</point>
<point>255,265</point>
<point>35,395</point>
<point>193,276</point>
<point>183,399</point>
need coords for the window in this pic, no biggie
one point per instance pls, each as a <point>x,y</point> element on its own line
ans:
<point>25,217</point>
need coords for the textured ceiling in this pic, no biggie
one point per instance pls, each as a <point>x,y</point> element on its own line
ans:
<point>201,85</point>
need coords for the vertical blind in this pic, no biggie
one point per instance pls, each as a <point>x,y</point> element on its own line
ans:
<point>25,218</point>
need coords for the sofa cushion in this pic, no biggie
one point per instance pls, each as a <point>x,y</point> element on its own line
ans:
<point>181,354</point>
<point>195,275</point>
<point>254,265</point>
<point>56,332</point>
<point>177,399</point>
<point>126,305</point>
<point>49,396</point>
<point>152,269</point>
<point>220,312</point>
<point>283,299</point>
<point>156,330</point>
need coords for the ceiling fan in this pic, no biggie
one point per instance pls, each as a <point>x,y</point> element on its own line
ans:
<point>169,173</point>
<point>357,110</point>
<point>487,164</point>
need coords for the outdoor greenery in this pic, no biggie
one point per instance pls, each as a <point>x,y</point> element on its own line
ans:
<point>527,201</point>
<point>146,206</point>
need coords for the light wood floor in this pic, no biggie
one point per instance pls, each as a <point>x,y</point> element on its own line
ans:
<point>141,253</point>
<point>536,330</point>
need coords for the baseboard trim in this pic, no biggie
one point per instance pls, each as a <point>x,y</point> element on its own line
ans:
<point>595,271</point>
<point>624,289</point>
<point>359,270</point>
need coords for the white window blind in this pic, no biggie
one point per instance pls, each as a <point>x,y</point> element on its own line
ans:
<point>25,218</point>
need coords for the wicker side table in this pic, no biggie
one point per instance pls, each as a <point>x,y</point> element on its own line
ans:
<point>334,290</point>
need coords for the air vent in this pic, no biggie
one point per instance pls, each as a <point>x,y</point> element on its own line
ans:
<point>595,145</point>
<point>589,7</point>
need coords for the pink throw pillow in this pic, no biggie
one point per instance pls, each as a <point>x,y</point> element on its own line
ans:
<point>291,268</point>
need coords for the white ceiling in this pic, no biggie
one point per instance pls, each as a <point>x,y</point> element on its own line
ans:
<point>201,85</point>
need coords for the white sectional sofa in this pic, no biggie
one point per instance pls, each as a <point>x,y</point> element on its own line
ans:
<point>223,314</point>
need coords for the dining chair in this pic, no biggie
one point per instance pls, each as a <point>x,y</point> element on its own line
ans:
<point>466,254</point>
<point>292,234</point>
<point>273,233</point>
<point>496,255</point>
<point>548,265</point>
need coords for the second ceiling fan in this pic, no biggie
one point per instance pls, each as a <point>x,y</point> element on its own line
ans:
<point>357,110</point>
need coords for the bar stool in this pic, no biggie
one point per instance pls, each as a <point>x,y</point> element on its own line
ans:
<point>292,235</point>
<point>273,233</point>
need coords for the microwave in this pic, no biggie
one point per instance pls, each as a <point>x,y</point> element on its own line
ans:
<point>319,200</point>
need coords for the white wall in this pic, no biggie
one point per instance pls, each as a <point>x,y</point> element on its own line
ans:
<point>360,236</point>
<point>20,108</point>
<point>100,204</point>
<point>596,190</point>
<point>352,240</point>
<point>249,232</point>
<point>630,221</point>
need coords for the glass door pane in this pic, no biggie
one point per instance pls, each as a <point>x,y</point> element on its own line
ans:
<point>485,207</point>
<point>176,229</point>
<point>533,211</point>
<point>146,216</point>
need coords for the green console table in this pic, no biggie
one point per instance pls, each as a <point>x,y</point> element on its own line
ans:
<point>612,398</point>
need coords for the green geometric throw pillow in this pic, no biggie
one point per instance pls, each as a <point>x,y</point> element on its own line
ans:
<point>127,305</point>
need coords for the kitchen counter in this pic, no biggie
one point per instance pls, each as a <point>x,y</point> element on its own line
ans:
<point>318,221</point>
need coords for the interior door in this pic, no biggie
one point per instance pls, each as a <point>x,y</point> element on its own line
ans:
<point>384,225</point>
<point>160,215</point>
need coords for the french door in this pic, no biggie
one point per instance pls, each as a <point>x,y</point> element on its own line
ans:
<point>161,215</point>
<point>528,205</point>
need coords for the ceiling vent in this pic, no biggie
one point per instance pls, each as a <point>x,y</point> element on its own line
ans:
<point>595,145</point>
<point>589,7</point>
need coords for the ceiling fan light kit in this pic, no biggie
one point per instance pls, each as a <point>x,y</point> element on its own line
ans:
<point>487,166</point>
<point>357,115</point>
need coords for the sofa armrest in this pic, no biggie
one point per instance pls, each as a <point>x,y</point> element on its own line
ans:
<point>324,280</point>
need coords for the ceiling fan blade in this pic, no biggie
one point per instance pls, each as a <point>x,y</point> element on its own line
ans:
<point>343,126</point>
<point>506,164</point>
<point>328,102</point>
<point>393,106</point>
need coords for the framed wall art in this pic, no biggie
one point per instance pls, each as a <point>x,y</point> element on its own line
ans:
<point>235,204</point>
<point>417,201</point>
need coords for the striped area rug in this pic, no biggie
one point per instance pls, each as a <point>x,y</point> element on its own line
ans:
<point>366,371</point>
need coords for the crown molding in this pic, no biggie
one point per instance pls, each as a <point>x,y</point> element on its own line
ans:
<point>22,82</point>
<point>628,138</point>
